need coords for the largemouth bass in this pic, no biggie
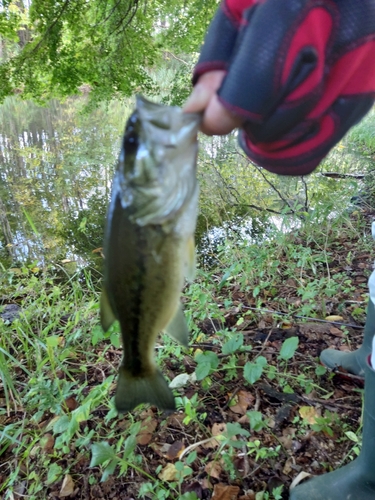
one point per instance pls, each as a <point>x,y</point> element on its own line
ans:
<point>149,245</point>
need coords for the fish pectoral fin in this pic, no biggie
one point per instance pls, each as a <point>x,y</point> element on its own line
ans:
<point>191,263</point>
<point>107,316</point>
<point>177,327</point>
<point>133,390</point>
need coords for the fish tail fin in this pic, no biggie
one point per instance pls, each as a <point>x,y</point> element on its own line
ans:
<point>132,391</point>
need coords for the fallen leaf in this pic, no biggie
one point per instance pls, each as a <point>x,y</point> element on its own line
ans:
<point>206,484</point>
<point>286,441</point>
<point>213,469</point>
<point>161,450</point>
<point>145,434</point>
<point>217,430</point>
<point>71,403</point>
<point>288,466</point>
<point>334,318</point>
<point>243,400</point>
<point>67,487</point>
<point>301,476</point>
<point>309,414</point>
<point>147,413</point>
<point>47,442</point>
<point>225,492</point>
<point>285,325</point>
<point>336,332</point>
<point>169,473</point>
<point>250,495</point>
<point>244,419</point>
<point>180,381</point>
<point>175,450</point>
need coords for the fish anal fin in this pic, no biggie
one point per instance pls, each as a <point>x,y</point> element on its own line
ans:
<point>133,390</point>
<point>107,316</point>
<point>177,327</point>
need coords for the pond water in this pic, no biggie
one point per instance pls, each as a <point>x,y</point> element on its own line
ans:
<point>56,168</point>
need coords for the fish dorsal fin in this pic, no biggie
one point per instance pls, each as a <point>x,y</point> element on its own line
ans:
<point>107,316</point>
<point>177,327</point>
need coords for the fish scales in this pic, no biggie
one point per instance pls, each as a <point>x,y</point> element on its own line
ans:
<point>149,245</point>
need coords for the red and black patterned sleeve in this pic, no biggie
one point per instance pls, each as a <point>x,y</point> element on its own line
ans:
<point>300,72</point>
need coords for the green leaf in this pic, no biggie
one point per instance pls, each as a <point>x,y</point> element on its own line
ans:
<point>256,420</point>
<point>189,496</point>
<point>61,425</point>
<point>253,371</point>
<point>320,370</point>
<point>202,370</point>
<point>101,452</point>
<point>82,413</point>
<point>129,447</point>
<point>115,339</point>
<point>54,472</point>
<point>191,457</point>
<point>96,335</point>
<point>30,221</point>
<point>109,470</point>
<point>288,348</point>
<point>206,362</point>
<point>236,430</point>
<point>233,344</point>
<point>353,437</point>
<point>53,341</point>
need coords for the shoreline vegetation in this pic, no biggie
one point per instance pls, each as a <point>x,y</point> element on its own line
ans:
<point>255,408</point>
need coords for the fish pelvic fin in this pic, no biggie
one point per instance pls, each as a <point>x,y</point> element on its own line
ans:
<point>177,327</point>
<point>134,390</point>
<point>107,316</point>
<point>191,260</point>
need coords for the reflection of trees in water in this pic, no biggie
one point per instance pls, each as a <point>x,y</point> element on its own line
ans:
<point>56,168</point>
<point>55,163</point>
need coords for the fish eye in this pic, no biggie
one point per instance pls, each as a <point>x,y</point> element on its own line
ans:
<point>131,141</point>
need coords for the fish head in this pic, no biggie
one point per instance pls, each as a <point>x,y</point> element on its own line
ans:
<point>157,164</point>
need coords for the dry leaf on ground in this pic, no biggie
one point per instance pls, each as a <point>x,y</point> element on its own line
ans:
<point>336,332</point>
<point>144,436</point>
<point>67,486</point>
<point>175,450</point>
<point>243,400</point>
<point>309,414</point>
<point>225,492</point>
<point>169,473</point>
<point>213,469</point>
<point>334,318</point>
<point>217,430</point>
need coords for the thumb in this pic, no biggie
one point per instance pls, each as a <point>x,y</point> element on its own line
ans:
<point>203,91</point>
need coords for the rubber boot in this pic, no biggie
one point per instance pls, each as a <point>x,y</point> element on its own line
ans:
<point>355,481</point>
<point>353,362</point>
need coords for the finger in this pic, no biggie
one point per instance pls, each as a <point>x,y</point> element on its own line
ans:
<point>198,99</point>
<point>203,91</point>
<point>217,120</point>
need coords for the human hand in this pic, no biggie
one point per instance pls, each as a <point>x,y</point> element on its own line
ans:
<point>299,73</point>
<point>217,120</point>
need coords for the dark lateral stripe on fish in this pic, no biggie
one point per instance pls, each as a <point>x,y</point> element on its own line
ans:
<point>134,363</point>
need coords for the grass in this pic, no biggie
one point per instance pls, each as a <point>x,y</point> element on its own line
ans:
<point>59,428</point>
